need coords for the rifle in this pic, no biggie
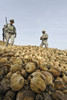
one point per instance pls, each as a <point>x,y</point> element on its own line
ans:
<point>3,30</point>
<point>3,34</point>
<point>6,20</point>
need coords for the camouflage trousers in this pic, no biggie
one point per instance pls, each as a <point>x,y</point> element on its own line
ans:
<point>44,43</point>
<point>10,36</point>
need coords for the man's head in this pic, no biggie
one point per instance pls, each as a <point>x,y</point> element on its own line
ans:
<point>11,21</point>
<point>43,31</point>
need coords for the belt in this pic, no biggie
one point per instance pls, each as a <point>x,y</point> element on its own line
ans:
<point>45,39</point>
<point>11,33</point>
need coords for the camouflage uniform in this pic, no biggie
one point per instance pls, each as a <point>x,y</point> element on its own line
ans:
<point>10,32</point>
<point>44,39</point>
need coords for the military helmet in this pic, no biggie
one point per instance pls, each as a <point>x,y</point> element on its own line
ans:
<point>12,20</point>
<point>43,31</point>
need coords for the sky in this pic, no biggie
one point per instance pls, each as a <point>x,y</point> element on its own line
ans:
<point>33,16</point>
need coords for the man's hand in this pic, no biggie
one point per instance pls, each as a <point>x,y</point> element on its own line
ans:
<point>40,38</point>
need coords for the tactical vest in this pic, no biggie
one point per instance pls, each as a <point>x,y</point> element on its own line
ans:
<point>10,29</point>
<point>44,37</point>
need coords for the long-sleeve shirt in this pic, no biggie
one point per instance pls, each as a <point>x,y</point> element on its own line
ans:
<point>44,37</point>
<point>10,29</point>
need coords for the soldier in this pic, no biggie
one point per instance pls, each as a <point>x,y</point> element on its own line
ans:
<point>44,39</point>
<point>10,32</point>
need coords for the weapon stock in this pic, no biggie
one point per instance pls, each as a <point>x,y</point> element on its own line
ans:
<point>3,34</point>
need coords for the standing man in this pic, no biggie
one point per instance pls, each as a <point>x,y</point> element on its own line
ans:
<point>44,39</point>
<point>10,32</point>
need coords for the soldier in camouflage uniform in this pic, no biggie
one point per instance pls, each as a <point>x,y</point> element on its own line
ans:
<point>44,39</point>
<point>10,32</point>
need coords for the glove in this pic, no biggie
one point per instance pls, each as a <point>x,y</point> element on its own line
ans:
<point>40,38</point>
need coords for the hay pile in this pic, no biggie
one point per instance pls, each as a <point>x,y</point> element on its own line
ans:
<point>33,73</point>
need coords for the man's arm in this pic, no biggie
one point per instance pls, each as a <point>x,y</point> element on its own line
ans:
<point>45,37</point>
<point>41,37</point>
<point>15,32</point>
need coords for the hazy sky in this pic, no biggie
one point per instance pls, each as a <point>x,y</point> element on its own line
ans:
<point>32,16</point>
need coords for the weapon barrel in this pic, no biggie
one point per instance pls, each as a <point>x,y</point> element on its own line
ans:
<point>6,19</point>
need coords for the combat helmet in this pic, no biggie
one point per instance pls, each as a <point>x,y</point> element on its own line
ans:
<point>43,31</point>
<point>12,20</point>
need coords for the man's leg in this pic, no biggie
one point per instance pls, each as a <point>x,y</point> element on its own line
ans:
<point>12,39</point>
<point>7,38</point>
<point>46,44</point>
<point>41,45</point>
